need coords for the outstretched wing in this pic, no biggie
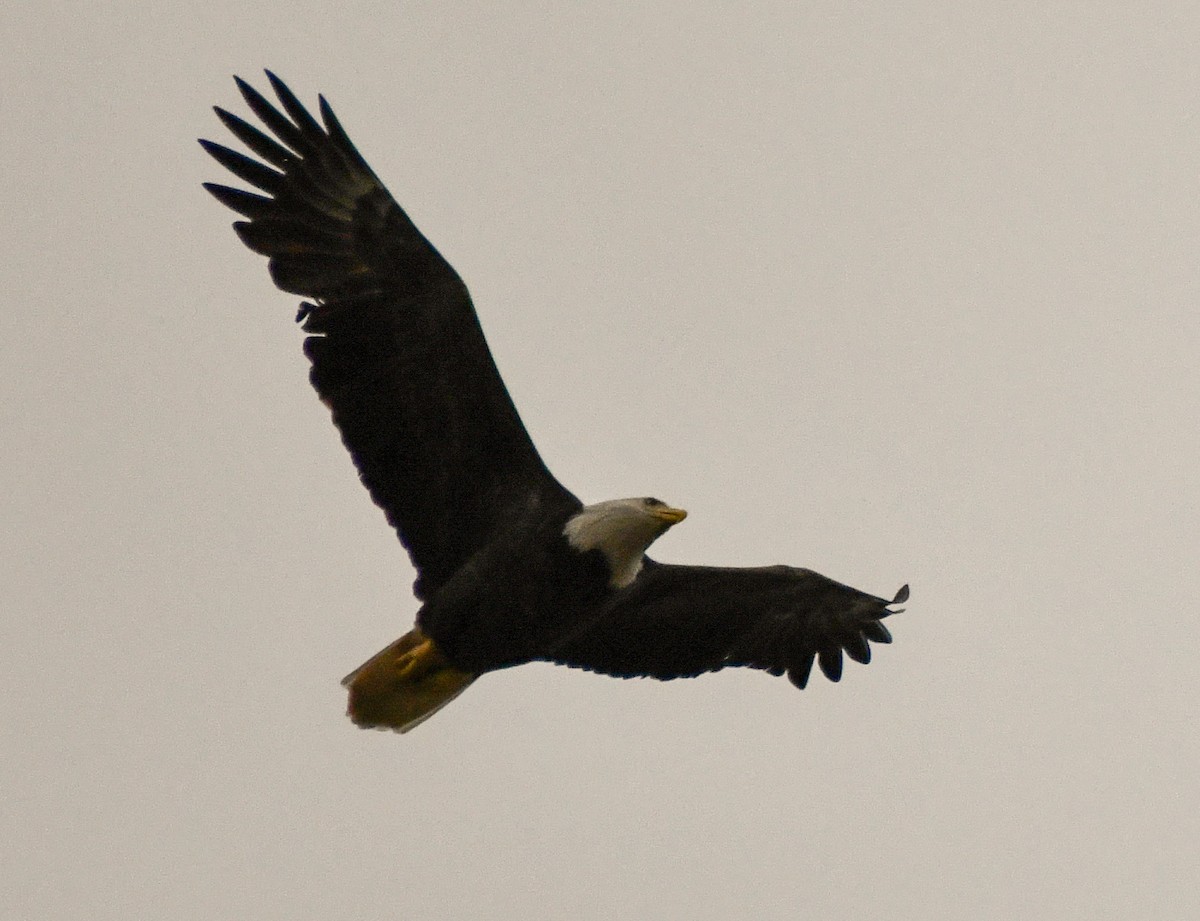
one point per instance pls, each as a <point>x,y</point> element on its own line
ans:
<point>680,621</point>
<point>396,348</point>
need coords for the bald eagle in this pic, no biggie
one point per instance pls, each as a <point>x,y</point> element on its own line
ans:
<point>511,567</point>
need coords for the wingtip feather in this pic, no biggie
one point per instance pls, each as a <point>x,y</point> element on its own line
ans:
<point>800,673</point>
<point>830,661</point>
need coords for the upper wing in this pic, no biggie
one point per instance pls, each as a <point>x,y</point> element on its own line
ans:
<point>397,351</point>
<point>679,621</point>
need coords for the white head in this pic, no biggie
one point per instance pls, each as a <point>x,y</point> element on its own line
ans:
<point>621,529</point>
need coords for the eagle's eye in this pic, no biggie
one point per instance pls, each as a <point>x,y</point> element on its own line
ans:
<point>654,503</point>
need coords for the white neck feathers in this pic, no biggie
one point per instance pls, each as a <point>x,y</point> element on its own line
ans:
<point>621,529</point>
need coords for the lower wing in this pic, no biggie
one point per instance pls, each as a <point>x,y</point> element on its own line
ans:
<point>680,621</point>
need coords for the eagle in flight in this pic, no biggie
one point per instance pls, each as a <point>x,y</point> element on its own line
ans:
<point>511,566</point>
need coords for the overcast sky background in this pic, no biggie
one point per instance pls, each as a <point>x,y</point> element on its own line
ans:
<point>904,293</point>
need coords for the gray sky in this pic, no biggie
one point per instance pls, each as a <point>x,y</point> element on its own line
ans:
<point>898,293</point>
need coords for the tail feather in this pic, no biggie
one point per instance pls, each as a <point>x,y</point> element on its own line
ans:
<point>403,685</point>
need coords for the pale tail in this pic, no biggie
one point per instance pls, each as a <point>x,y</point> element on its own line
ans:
<point>403,685</point>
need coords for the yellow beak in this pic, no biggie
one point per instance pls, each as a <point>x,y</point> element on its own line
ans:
<point>670,515</point>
